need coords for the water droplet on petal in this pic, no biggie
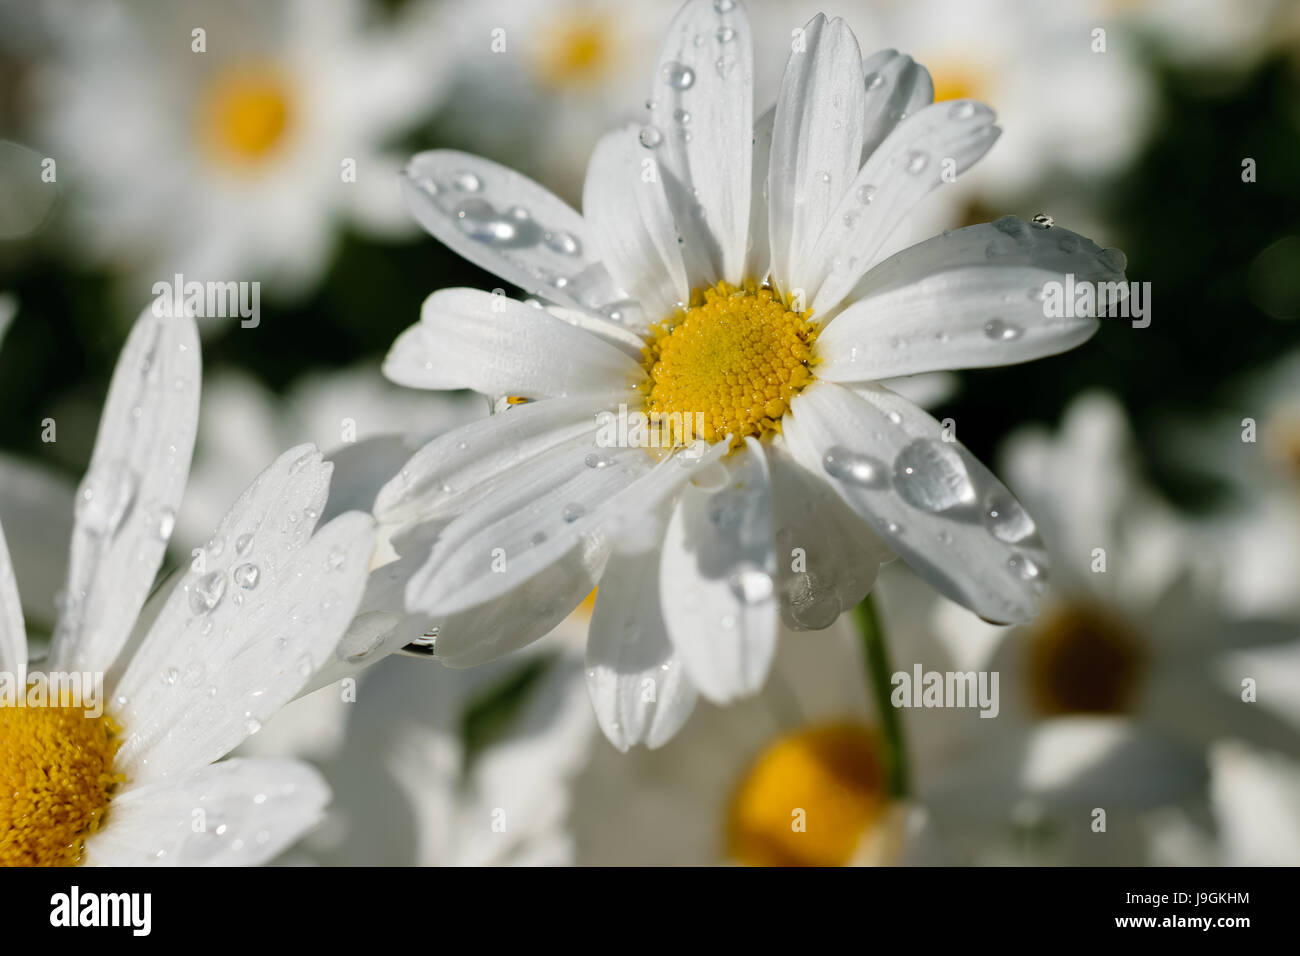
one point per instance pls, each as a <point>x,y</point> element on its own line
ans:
<point>1006,519</point>
<point>930,475</point>
<point>725,34</point>
<point>572,512</point>
<point>598,461</point>
<point>246,576</point>
<point>874,81</point>
<point>916,161</point>
<point>864,194</point>
<point>853,467</point>
<point>650,137</point>
<point>207,591</point>
<point>565,243</point>
<point>962,109</point>
<point>1001,331</point>
<point>678,76</point>
<point>242,543</point>
<point>467,182</point>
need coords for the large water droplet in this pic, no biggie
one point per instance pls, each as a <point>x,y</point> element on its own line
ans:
<point>565,243</point>
<point>1027,568</point>
<point>853,467</point>
<point>679,76</point>
<point>1006,519</point>
<point>246,576</point>
<point>207,591</point>
<point>1001,331</point>
<point>466,181</point>
<point>650,137</point>
<point>479,220</point>
<point>931,476</point>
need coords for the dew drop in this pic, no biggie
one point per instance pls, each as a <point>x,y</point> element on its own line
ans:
<point>106,497</point>
<point>1006,519</point>
<point>678,76</point>
<point>725,34</point>
<point>853,467</point>
<point>963,109</point>
<point>865,194</point>
<point>650,137</point>
<point>874,81</point>
<point>207,591</point>
<point>242,543</point>
<point>931,476</point>
<point>565,243</point>
<point>1043,220</point>
<point>598,461</point>
<point>165,523</point>
<point>467,182</point>
<point>724,65</point>
<point>572,512</point>
<point>246,576</point>
<point>1001,331</point>
<point>916,161</point>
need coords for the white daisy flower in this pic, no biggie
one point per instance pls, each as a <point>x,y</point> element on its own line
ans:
<point>555,75</point>
<point>654,301</point>
<point>237,159</point>
<point>797,775</point>
<point>1116,695</point>
<point>442,767</point>
<point>138,778</point>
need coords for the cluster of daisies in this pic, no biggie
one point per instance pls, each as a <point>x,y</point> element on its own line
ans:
<point>744,266</point>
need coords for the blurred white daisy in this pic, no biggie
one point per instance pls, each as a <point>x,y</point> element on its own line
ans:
<point>1206,32</point>
<point>136,777</point>
<point>236,160</point>
<point>555,75</point>
<point>431,766</point>
<point>813,471</point>
<point>1115,696</point>
<point>797,775</point>
<point>367,426</point>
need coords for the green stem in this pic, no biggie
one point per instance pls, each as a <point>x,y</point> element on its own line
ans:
<point>879,672</point>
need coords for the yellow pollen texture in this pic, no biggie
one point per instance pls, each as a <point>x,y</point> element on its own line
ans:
<point>55,780</point>
<point>247,114</point>
<point>809,798</point>
<point>576,50</point>
<point>735,358</point>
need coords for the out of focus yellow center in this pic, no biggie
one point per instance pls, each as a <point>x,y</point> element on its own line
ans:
<point>735,358</point>
<point>56,777</point>
<point>247,114</point>
<point>1082,660</point>
<point>954,80</point>
<point>809,798</point>
<point>576,49</point>
<point>1281,441</point>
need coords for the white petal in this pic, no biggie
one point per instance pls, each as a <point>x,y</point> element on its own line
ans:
<point>759,259</point>
<point>251,810</point>
<point>126,505</point>
<point>716,580</point>
<point>471,339</point>
<point>627,209</point>
<point>940,138</point>
<point>636,681</point>
<point>471,204</point>
<point>36,510</point>
<point>826,556</point>
<point>967,299</point>
<point>703,93</point>
<point>897,86</point>
<point>235,642</point>
<point>454,470</point>
<point>531,550</point>
<point>929,499</point>
<point>816,146</point>
<point>13,635</point>
<point>486,604</point>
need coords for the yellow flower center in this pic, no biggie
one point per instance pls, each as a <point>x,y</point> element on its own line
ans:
<point>809,798</point>
<point>247,114</point>
<point>729,364</point>
<point>956,80</point>
<point>56,777</point>
<point>576,50</point>
<point>1082,660</point>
